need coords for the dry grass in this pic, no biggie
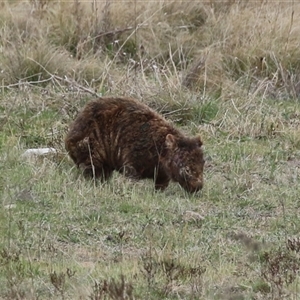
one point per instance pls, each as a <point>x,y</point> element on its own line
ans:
<point>230,49</point>
<point>228,70</point>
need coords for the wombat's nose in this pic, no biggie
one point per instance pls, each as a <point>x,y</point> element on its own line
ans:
<point>195,188</point>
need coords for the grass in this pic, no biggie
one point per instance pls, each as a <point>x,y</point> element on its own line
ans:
<point>229,71</point>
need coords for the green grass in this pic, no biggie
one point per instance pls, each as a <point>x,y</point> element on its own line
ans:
<point>62,236</point>
<point>227,71</point>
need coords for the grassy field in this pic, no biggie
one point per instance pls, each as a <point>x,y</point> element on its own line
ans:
<point>229,71</point>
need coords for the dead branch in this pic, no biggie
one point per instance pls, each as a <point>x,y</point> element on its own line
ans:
<point>113,32</point>
<point>51,78</point>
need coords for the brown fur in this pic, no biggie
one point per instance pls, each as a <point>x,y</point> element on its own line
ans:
<point>125,135</point>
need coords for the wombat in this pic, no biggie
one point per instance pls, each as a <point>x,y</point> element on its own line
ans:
<point>126,135</point>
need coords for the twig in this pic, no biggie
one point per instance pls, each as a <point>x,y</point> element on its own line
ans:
<point>79,86</point>
<point>92,164</point>
<point>56,78</point>
<point>113,32</point>
<point>290,30</point>
<point>66,80</point>
<point>176,111</point>
<point>25,83</point>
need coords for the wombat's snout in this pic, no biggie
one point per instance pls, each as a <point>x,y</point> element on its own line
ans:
<point>196,188</point>
<point>193,187</point>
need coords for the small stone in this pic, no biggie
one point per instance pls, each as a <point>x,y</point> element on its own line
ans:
<point>10,206</point>
<point>38,152</point>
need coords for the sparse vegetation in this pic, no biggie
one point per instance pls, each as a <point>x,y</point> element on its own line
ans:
<point>228,70</point>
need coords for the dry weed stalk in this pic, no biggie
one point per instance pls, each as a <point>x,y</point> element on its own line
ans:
<point>113,289</point>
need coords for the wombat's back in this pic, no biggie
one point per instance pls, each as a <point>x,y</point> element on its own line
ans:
<point>118,132</point>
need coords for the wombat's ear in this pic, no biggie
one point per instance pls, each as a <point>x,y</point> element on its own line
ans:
<point>171,141</point>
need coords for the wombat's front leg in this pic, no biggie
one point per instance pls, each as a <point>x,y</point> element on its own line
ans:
<point>161,181</point>
<point>130,171</point>
<point>97,172</point>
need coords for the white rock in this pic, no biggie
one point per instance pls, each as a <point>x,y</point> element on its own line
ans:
<point>10,206</point>
<point>38,152</point>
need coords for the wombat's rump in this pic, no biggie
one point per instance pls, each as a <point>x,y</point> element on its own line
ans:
<point>125,135</point>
